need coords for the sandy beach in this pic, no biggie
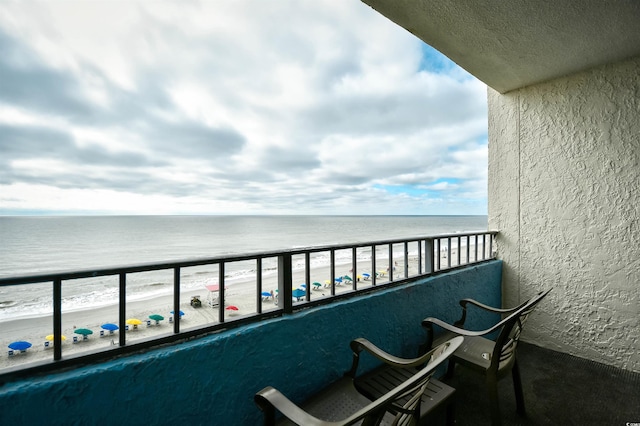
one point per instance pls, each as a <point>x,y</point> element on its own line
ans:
<point>239,294</point>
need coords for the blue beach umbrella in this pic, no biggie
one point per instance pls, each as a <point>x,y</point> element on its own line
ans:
<point>297,293</point>
<point>109,327</point>
<point>181,313</point>
<point>20,345</point>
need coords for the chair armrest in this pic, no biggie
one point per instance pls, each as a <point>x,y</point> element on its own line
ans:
<point>465,302</point>
<point>427,323</point>
<point>269,399</point>
<point>360,344</point>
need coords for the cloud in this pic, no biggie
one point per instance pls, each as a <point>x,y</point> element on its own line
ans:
<point>232,107</point>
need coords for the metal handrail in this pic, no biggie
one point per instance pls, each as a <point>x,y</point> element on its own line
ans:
<point>427,265</point>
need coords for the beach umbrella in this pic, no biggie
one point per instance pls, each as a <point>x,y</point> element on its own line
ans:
<point>303,286</point>
<point>109,327</point>
<point>366,276</point>
<point>297,293</point>
<point>266,294</point>
<point>339,279</point>
<point>20,345</point>
<point>50,337</point>
<point>231,308</point>
<point>135,322</point>
<point>156,317</point>
<point>317,284</point>
<point>172,312</point>
<point>213,287</point>
<point>83,331</point>
<point>347,278</point>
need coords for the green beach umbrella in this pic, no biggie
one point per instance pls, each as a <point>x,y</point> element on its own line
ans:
<point>83,331</point>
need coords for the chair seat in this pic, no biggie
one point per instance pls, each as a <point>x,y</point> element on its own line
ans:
<point>336,402</point>
<point>475,352</point>
<point>381,380</point>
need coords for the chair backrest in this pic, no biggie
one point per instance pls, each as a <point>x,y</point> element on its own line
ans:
<point>503,355</point>
<point>395,401</point>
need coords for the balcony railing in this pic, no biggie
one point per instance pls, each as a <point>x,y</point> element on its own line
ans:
<point>350,270</point>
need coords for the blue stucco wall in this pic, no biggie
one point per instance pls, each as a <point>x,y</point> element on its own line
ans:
<point>212,380</point>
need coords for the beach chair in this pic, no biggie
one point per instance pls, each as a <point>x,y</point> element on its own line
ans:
<point>494,359</point>
<point>341,403</point>
<point>11,353</point>
<point>46,344</point>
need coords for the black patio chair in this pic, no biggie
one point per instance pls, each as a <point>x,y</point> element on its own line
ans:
<point>492,358</point>
<point>341,403</point>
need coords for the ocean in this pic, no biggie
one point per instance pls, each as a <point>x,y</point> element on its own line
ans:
<point>32,245</point>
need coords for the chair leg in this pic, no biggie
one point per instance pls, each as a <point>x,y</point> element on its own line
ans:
<point>517,387</point>
<point>451,412</point>
<point>494,404</point>
<point>450,369</point>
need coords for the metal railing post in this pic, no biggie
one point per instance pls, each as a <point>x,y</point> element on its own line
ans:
<point>221,294</point>
<point>259,284</point>
<point>390,269</point>
<point>285,283</point>
<point>491,246</point>
<point>57,319</point>
<point>428,256</point>
<point>176,300</point>
<point>475,255</point>
<point>354,272</point>
<point>307,275</point>
<point>406,259</point>
<point>332,255</point>
<point>122,314</point>
<point>374,273</point>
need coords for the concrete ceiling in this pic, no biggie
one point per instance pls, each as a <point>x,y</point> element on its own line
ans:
<point>509,44</point>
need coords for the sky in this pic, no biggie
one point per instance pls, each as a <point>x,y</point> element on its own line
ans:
<point>232,107</point>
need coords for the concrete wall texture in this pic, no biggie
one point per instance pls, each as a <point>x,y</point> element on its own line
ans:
<point>212,380</point>
<point>564,174</point>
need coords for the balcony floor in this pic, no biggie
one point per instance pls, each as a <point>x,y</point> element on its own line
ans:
<point>558,389</point>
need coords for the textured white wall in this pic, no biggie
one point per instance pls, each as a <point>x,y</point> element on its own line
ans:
<point>564,192</point>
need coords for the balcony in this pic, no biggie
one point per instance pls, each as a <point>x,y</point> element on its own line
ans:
<point>212,379</point>
<point>232,357</point>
